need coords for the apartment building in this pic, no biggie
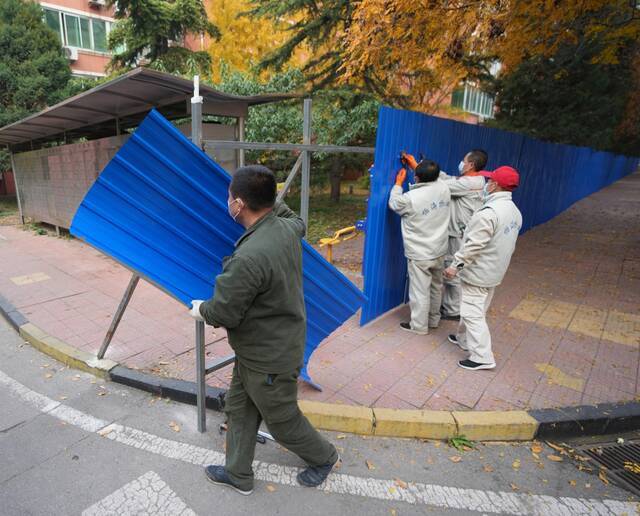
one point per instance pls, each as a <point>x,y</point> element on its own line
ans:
<point>83,27</point>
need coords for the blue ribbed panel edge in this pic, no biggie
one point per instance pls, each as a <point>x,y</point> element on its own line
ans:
<point>160,209</point>
<point>553,177</point>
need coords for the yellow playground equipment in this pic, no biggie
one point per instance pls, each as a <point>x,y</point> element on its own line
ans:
<point>342,235</point>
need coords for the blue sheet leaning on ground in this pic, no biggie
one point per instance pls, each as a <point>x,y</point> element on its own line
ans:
<point>552,178</point>
<point>160,209</point>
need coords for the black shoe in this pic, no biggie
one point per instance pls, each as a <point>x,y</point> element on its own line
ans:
<point>218,475</point>
<point>454,340</point>
<point>313,476</point>
<point>445,317</point>
<point>473,366</point>
<point>406,326</point>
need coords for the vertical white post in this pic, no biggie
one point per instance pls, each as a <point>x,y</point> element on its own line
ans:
<point>306,162</point>
<point>241,139</point>
<point>15,182</point>
<point>196,113</point>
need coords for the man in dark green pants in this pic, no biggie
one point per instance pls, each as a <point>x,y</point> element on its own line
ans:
<point>258,299</point>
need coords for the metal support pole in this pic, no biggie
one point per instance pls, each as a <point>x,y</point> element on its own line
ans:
<point>290,178</point>
<point>117,127</point>
<point>15,182</point>
<point>306,163</point>
<point>201,385</point>
<point>240,139</point>
<point>196,113</point>
<point>117,317</point>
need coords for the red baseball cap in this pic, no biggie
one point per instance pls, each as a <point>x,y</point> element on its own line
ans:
<point>506,177</point>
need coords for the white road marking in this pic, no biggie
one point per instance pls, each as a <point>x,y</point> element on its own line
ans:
<point>416,493</point>
<point>148,494</point>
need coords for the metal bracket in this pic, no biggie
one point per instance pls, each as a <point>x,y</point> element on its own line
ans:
<point>117,317</point>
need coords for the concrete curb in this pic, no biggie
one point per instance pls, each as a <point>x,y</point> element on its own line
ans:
<point>510,425</point>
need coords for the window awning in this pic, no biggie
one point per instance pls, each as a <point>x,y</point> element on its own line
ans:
<point>122,103</point>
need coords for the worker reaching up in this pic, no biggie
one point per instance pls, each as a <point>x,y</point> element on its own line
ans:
<point>466,198</point>
<point>425,216</point>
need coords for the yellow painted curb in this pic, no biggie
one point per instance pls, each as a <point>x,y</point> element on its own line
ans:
<point>64,353</point>
<point>340,418</point>
<point>428,424</point>
<point>509,425</point>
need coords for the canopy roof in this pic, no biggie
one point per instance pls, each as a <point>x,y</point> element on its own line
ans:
<point>123,103</point>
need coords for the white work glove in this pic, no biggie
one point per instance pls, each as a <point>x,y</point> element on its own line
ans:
<point>195,310</point>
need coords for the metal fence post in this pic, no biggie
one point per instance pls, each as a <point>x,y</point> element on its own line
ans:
<point>15,182</point>
<point>117,317</point>
<point>306,163</point>
<point>240,139</point>
<point>196,113</point>
<point>201,373</point>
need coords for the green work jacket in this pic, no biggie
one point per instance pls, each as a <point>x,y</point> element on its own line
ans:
<point>258,296</point>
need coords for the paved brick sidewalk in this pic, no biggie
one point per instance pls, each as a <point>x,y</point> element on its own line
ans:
<point>565,323</point>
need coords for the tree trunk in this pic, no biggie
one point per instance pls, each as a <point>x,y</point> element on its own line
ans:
<point>335,178</point>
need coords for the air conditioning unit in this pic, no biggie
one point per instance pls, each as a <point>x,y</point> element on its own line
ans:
<point>71,53</point>
<point>98,3</point>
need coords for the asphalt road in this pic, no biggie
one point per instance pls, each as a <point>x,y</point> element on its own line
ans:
<point>71,444</point>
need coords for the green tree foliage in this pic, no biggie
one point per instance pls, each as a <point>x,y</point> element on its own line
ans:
<point>340,117</point>
<point>316,27</point>
<point>567,98</point>
<point>33,70</point>
<point>155,31</point>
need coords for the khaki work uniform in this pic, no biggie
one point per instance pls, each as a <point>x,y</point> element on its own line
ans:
<point>466,198</point>
<point>259,300</point>
<point>425,216</point>
<point>489,242</point>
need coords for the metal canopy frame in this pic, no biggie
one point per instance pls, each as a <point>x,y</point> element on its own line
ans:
<point>302,163</point>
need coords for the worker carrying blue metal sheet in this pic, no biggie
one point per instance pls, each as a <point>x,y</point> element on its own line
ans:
<point>488,243</point>
<point>466,198</point>
<point>258,298</point>
<point>425,219</point>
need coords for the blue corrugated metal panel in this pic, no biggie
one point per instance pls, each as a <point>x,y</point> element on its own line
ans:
<point>553,177</point>
<point>160,208</point>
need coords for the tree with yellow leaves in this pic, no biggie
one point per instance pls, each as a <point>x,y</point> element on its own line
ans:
<point>245,39</point>
<point>416,51</point>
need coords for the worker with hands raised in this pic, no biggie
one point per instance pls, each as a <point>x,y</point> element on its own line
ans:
<point>466,198</point>
<point>424,212</point>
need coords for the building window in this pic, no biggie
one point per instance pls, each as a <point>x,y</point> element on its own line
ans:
<point>79,31</point>
<point>473,100</point>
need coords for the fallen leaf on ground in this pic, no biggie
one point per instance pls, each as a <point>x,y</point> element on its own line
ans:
<point>536,448</point>
<point>105,431</point>
<point>556,447</point>
<point>392,490</point>
<point>603,476</point>
<point>634,467</point>
<point>488,468</point>
<point>394,512</point>
<point>369,464</point>
<point>400,483</point>
<point>437,444</point>
<point>455,458</point>
<point>102,393</point>
<point>587,485</point>
<point>516,464</point>
<point>514,487</point>
<point>63,397</point>
<point>270,488</point>
<point>572,483</point>
<point>174,426</point>
<point>535,456</point>
<point>555,458</point>
<point>48,375</point>
<point>340,436</point>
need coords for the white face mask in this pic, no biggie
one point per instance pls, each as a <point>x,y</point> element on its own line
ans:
<point>229,204</point>
<point>461,167</point>
<point>485,192</point>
